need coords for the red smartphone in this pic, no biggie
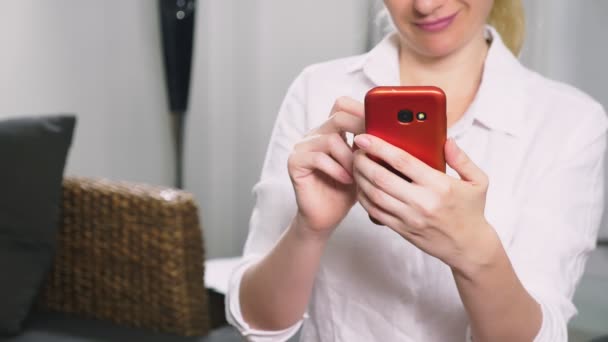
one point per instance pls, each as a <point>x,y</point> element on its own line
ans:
<point>411,118</point>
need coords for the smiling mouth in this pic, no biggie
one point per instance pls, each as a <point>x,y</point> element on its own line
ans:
<point>436,25</point>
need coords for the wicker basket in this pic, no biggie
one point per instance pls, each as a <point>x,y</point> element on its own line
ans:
<point>131,254</point>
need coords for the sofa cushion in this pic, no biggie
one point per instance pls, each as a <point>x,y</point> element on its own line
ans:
<point>58,327</point>
<point>33,153</point>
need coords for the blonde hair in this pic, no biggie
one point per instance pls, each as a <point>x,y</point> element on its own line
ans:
<point>507,16</point>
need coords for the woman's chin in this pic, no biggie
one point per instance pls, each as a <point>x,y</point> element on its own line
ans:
<point>434,44</point>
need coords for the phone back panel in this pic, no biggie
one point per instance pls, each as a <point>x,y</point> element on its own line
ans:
<point>424,139</point>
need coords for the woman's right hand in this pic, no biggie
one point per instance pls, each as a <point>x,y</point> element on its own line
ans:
<point>320,168</point>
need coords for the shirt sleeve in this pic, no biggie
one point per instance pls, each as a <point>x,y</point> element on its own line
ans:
<point>275,205</point>
<point>558,226</point>
<point>235,318</point>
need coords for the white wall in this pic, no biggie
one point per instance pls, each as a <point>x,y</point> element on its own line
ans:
<point>567,41</point>
<point>102,61</point>
<point>247,54</point>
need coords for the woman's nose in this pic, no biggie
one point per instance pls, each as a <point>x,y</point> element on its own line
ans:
<point>427,7</point>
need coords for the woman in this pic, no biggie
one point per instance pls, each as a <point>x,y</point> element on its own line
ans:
<point>490,251</point>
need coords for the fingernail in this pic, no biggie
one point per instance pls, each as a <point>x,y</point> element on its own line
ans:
<point>362,141</point>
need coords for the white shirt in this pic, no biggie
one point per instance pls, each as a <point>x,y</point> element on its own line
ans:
<point>542,145</point>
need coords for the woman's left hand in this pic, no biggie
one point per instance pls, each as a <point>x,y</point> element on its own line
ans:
<point>439,214</point>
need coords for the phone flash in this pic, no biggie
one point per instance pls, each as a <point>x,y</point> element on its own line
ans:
<point>421,116</point>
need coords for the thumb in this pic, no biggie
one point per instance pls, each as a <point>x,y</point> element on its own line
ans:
<point>461,163</point>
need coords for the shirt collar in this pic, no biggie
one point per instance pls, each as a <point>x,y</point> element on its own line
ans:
<point>381,64</point>
<point>499,101</point>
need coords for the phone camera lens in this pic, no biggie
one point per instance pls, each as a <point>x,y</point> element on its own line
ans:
<point>405,116</point>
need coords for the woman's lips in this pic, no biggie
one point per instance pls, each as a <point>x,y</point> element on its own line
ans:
<point>436,25</point>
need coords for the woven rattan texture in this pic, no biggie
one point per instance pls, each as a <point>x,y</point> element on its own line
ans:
<point>132,254</point>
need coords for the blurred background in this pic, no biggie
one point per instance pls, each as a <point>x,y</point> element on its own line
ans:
<point>102,59</point>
